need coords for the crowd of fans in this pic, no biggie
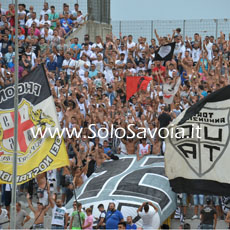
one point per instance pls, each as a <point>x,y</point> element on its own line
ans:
<point>88,83</point>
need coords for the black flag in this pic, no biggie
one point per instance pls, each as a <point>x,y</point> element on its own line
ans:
<point>197,159</point>
<point>165,52</point>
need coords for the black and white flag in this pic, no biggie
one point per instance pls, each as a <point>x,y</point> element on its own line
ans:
<point>165,52</point>
<point>197,157</point>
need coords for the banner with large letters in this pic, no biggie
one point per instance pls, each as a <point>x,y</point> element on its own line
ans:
<point>36,110</point>
<point>128,183</point>
<point>197,161</point>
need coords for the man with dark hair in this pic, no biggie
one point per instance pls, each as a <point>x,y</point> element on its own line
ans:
<point>164,119</point>
<point>22,217</point>
<point>59,214</point>
<point>122,226</point>
<point>113,217</point>
<point>39,213</point>
<point>187,226</point>
<point>208,216</point>
<point>101,219</point>
<point>53,17</point>
<point>149,215</point>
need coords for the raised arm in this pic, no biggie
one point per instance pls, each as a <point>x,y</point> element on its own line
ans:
<point>29,203</point>
<point>156,34</point>
<point>151,204</point>
<point>141,207</point>
<point>51,200</point>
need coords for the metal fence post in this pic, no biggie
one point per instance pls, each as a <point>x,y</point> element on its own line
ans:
<point>151,29</point>
<point>216,21</point>
<point>184,33</point>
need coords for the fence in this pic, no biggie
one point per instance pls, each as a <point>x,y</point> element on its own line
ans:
<point>38,4</point>
<point>188,27</point>
<point>99,10</point>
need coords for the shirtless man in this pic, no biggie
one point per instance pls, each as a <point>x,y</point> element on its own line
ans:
<point>43,188</point>
<point>39,213</point>
<point>157,148</point>
<point>130,144</point>
<point>100,156</point>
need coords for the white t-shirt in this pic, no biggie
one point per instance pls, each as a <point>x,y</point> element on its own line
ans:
<point>87,52</point>
<point>125,52</point>
<point>99,65</point>
<point>8,187</point>
<point>42,22</point>
<point>151,219</point>
<point>58,216</point>
<point>120,62</point>
<point>21,21</point>
<point>143,149</point>
<point>142,48</point>
<point>130,45</point>
<point>30,21</point>
<point>108,75</point>
<point>3,217</point>
<point>70,63</point>
<point>43,12</point>
<point>42,32</point>
<point>196,54</point>
<point>3,11</point>
<point>80,19</point>
<point>97,44</point>
<point>209,49</point>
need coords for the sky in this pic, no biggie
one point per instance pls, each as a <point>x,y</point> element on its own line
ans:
<point>169,9</point>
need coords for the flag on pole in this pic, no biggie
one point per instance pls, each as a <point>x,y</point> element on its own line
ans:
<point>36,110</point>
<point>165,52</point>
<point>169,91</point>
<point>134,84</point>
<point>197,154</point>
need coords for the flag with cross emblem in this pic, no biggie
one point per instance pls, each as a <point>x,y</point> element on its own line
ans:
<point>36,111</point>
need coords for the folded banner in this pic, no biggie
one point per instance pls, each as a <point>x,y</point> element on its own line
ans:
<point>169,91</point>
<point>136,83</point>
<point>36,111</point>
<point>165,52</point>
<point>197,148</point>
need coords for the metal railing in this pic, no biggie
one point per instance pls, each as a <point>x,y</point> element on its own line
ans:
<point>145,28</point>
<point>38,5</point>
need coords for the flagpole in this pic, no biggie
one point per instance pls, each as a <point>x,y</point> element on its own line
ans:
<point>14,176</point>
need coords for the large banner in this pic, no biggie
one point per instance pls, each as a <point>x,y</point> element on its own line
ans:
<point>129,183</point>
<point>36,110</point>
<point>197,160</point>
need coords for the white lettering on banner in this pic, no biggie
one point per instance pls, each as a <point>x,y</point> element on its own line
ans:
<point>23,88</point>
<point>56,146</point>
<point>44,164</point>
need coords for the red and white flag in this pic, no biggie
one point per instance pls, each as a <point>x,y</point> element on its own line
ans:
<point>169,91</point>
